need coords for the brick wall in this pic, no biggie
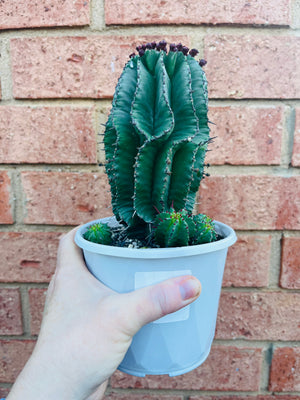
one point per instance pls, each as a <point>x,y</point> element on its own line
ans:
<point>59,63</point>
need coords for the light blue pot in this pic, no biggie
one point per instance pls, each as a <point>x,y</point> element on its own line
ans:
<point>179,342</point>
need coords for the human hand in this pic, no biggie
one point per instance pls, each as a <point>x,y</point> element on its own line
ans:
<point>87,328</point>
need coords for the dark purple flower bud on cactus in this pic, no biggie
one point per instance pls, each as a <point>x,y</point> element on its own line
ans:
<point>138,48</point>
<point>144,47</point>
<point>162,45</point>
<point>153,44</point>
<point>173,47</point>
<point>185,50</point>
<point>141,52</point>
<point>193,52</point>
<point>132,55</point>
<point>149,46</point>
<point>202,63</point>
<point>179,47</point>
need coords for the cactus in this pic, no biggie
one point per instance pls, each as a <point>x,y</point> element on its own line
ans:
<point>179,228</point>
<point>155,141</point>
<point>172,228</point>
<point>204,230</point>
<point>157,133</point>
<point>99,233</point>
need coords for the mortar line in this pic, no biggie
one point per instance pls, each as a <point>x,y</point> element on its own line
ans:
<point>195,392</point>
<point>228,170</point>
<point>152,30</point>
<point>6,70</point>
<point>290,127</point>
<point>266,366</point>
<point>275,262</point>
<point>25,310</point>
<point>104,102</point>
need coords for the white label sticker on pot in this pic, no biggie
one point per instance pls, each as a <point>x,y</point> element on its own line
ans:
<point>142,279</point>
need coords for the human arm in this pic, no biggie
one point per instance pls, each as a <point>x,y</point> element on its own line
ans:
<point>87,329</point>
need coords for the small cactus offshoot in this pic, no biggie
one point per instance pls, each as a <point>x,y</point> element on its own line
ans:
<point>178,228</point>
<point>99,233</point>
<point>204,231</point>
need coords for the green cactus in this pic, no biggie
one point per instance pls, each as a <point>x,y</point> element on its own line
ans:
<point>157,133</point>
<point>155,143</point>
<point>179,228</point>
<point>171,229</point>
<point>204,231</point>
<point>99,233</point>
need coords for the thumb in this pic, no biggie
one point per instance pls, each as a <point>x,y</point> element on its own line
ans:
<point>153,302</point>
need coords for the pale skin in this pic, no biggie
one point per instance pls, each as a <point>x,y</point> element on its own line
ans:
<point>87,329</point>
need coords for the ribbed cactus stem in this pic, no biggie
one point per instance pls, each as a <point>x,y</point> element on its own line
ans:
<point>179,228</point>
<point>205,230</point>
<point>171,229</point>
<point>99,233</point>
<point>157,133</point>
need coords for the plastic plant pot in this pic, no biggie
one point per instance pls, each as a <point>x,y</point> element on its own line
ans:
<point>179,342</point>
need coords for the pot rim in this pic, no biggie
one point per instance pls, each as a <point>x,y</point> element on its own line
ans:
<point>168,252</point>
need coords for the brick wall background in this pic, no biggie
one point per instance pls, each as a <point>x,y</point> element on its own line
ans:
<point>60,60</point>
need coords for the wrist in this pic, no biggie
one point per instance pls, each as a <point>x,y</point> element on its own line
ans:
<point>41,379</point>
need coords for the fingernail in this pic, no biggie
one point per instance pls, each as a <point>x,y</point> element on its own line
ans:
<point>189,288</point>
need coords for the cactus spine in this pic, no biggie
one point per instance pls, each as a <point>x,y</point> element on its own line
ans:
<point>157,133</point>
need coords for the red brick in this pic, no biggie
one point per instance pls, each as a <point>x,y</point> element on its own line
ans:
<point>259,316</point>
<point>47,135</point>
<point>296,147</point>
<point>246,135</point>
<point>290,263</point>
<point>131,12</point>
<point>252,202</point>
<point>248,261</point>
<point>21,14</point>
<point>285,370</point>
<point>4,391</point>
<point>28,256</point>
<point>227,368</point>
<point>50,67</point>
<point>133,396</point>
<point>252,66</point>
<point>63,198</point>
<point>37,299</point>
<point>13,356</point>
<point>10,312</point>
<point>6,214</point>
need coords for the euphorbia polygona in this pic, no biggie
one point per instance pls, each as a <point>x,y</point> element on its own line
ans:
<point>157,133</point>
<point>176,229</point>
